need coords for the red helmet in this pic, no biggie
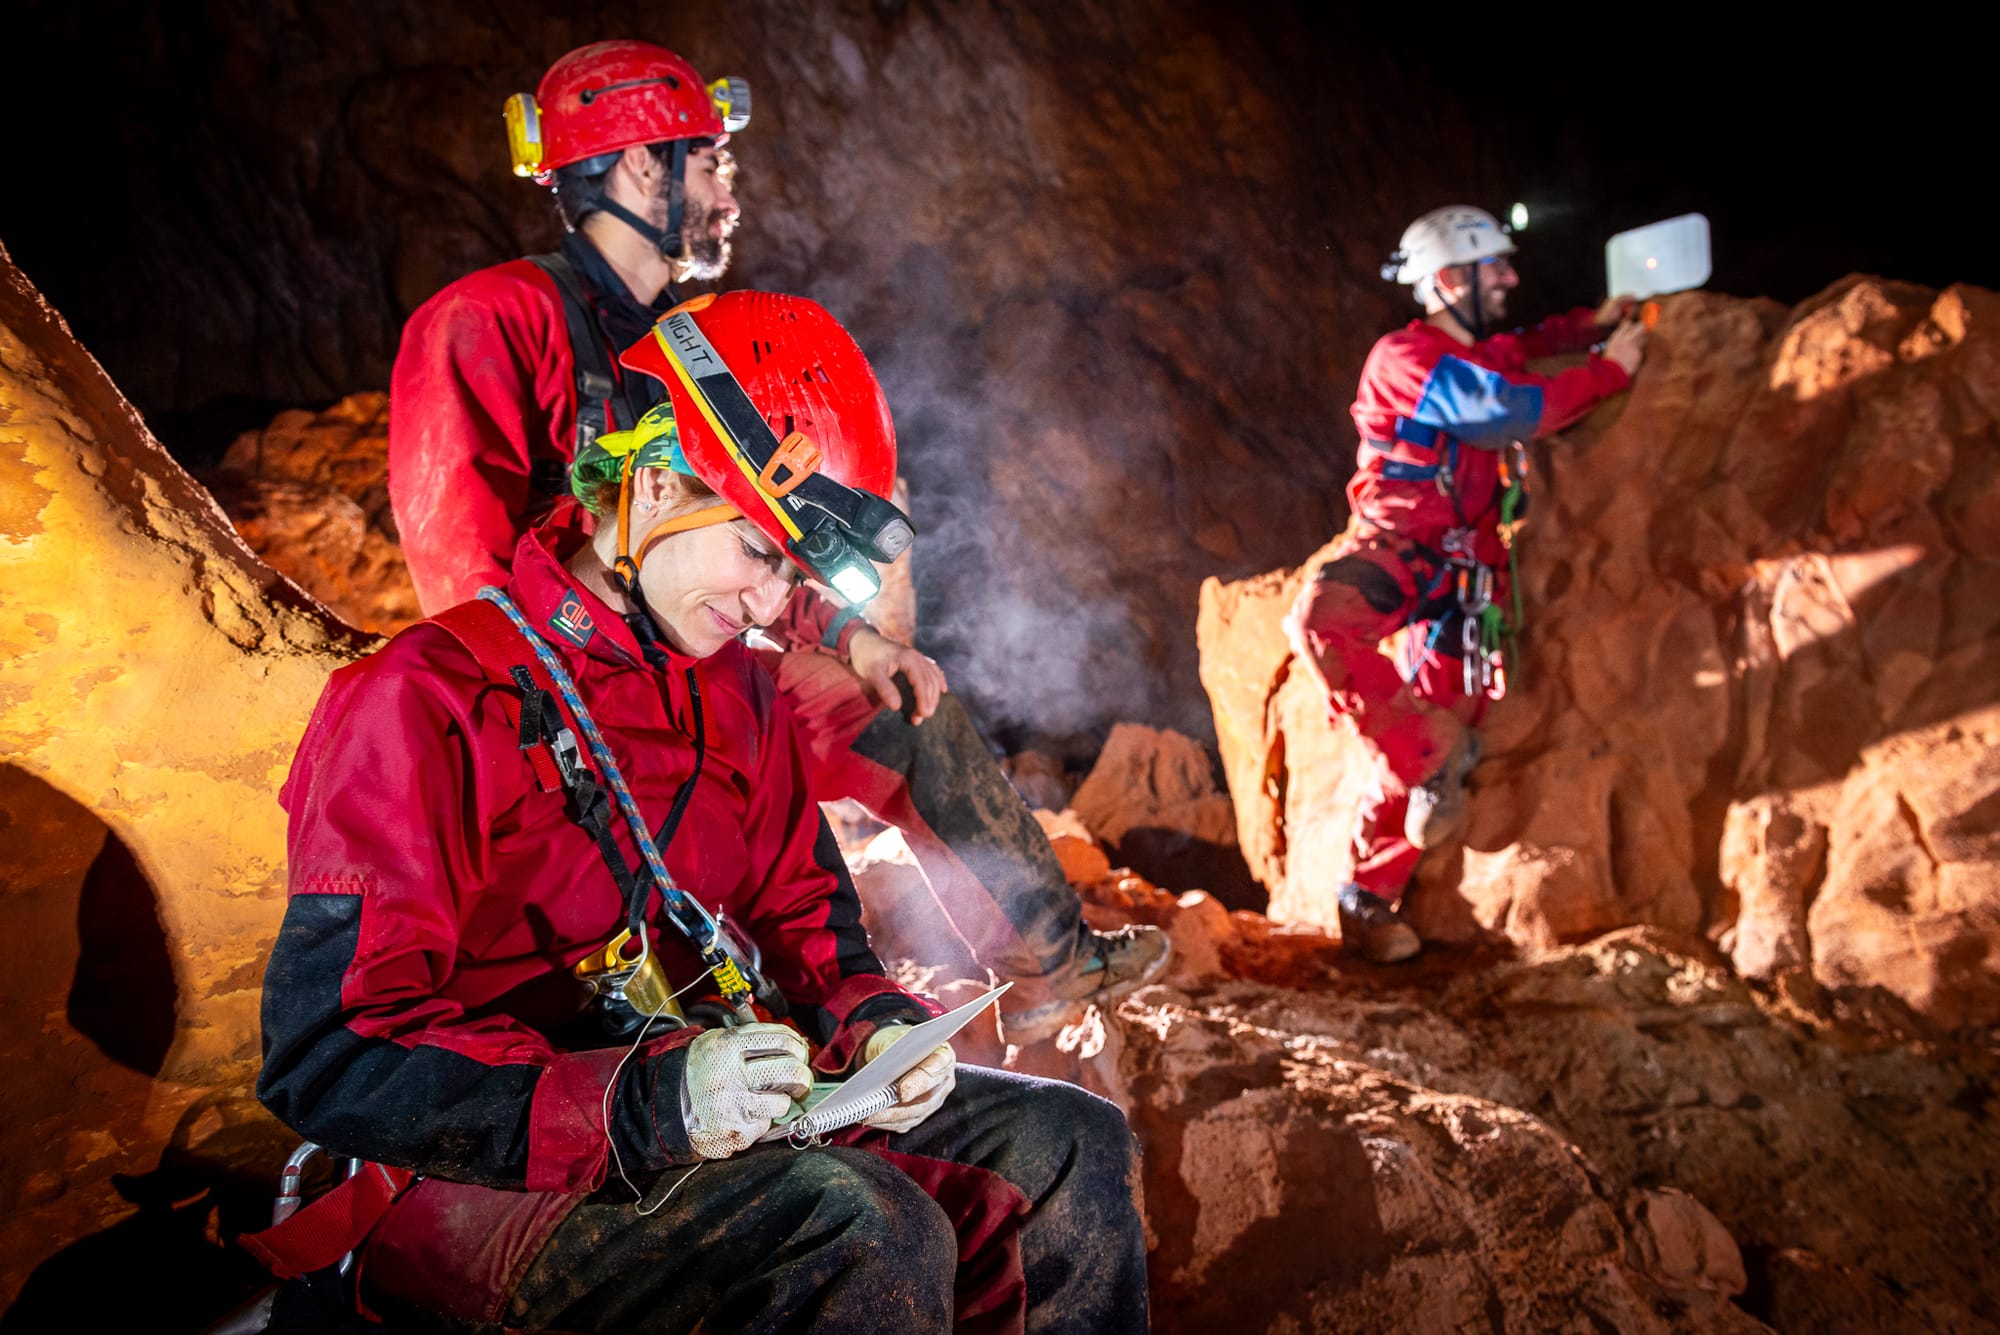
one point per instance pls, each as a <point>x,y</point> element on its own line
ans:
<point>778,411</point>
<point>611,96</point>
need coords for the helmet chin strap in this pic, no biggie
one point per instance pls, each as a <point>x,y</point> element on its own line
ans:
<point>667,241</point>
<point>1477,326</point>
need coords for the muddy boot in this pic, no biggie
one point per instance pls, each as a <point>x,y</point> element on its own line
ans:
<point>1107,966</point>
<point>1437,805</point>
<point>1369,926</point>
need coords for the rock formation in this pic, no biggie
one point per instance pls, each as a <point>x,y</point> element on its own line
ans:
<point>154,678</point>
<point>310,495</point>
<point>1621,1136</point>
<point>1761,682</point>
<point>1153,801</point>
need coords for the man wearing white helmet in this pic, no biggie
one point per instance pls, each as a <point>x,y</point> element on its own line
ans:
<point>1444,409</point>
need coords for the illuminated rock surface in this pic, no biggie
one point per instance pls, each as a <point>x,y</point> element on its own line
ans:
<point>1616,1136</point>
<point>154,678</point>
<point>1762,681</point>
<point>310,495</point>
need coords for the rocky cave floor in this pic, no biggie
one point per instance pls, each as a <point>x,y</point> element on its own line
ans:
<point>1619,1135</point>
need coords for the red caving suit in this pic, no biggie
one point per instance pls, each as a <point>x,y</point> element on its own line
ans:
<point>482,413</point>
<point>1435,417</point>
<point>419,1013</point>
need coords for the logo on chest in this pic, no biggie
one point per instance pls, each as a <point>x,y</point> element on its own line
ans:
<point>572,621</point>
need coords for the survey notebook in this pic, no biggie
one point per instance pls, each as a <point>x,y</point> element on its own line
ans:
<point>872,1089</point>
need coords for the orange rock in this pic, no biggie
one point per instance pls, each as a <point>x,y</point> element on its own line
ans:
<point>1756,696</point>
<point>154,678</point>
<point>1083,862</point>
<point>1153,801</point>
<point>310,494</point>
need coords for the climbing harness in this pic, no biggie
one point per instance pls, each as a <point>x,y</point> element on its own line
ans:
<point>637,981</point>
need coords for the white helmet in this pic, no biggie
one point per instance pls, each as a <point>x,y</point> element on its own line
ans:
<point>1454,234</point>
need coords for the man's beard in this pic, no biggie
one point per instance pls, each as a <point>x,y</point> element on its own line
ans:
<point>704,248</point>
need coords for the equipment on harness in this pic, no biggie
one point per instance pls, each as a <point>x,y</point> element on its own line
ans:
<point>325,1234</point>
<point>630,988</point>
<point>1461,587</point>
<point>1513,502</point>
<point>775,408</point>
<point>685,912</point>
<point>602,99</point>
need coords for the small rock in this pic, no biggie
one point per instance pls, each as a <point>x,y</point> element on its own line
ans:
<point>1678,1242</point>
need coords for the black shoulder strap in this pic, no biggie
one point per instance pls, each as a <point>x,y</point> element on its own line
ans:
<point>596,383</point>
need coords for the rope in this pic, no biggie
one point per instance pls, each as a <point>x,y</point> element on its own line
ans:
<point>628,806</point>
<point>735,988</point>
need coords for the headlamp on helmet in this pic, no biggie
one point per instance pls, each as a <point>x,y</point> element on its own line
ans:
<point>833,531</point>
<point>602,99</point>
<point>731,96</point>
<point>524,133</point>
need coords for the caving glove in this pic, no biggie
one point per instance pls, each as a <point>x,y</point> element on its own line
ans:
<point>923,1088</point>
<point>738,1082</point>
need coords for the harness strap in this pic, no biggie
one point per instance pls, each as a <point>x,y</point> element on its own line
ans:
<point>596,382</point>
<point>1398,471</point>
<point>492,643</point>
<point>534,706</point>
<point>686,913</point>
<point>332,1226</point>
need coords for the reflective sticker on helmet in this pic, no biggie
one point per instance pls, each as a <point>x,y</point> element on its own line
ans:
<point>697,365</point>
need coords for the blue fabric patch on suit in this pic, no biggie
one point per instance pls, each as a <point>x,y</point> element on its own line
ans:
<point>1479,406</point>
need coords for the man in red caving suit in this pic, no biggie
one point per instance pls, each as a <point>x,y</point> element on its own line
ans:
<point>1444,409</point>
<point>507,374</point>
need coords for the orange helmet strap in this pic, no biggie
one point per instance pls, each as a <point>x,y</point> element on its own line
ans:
<point>705,517</point>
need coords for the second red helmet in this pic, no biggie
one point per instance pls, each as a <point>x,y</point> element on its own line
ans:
<point>611,96</point>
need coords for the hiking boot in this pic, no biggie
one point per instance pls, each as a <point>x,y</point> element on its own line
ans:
<point>1368,925</point>
<point>1437,805</point>
<point>1107,965</point>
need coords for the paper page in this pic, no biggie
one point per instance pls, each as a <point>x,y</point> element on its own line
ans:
<point>1670,256</point>
<point>860,1089</point>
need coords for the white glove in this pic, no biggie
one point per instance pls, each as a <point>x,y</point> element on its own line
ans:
<point>923,1088</point>
<point>738,1082</point>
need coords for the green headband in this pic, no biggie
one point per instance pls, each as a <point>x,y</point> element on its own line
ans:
<point>654,443</point>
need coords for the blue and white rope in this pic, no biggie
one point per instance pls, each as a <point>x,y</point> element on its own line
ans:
<point>628,806</point>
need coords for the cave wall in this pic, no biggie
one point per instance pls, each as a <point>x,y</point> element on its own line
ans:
<point>1016,208</point>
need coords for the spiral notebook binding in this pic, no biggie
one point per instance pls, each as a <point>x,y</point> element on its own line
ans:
<point>810,1125</point>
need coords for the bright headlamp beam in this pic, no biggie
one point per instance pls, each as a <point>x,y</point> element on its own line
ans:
<point>856,586</point>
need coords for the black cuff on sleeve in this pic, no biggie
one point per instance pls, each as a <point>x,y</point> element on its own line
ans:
<point>888,1008</point>
<point>830,638</point>
<point>646,1123</point>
